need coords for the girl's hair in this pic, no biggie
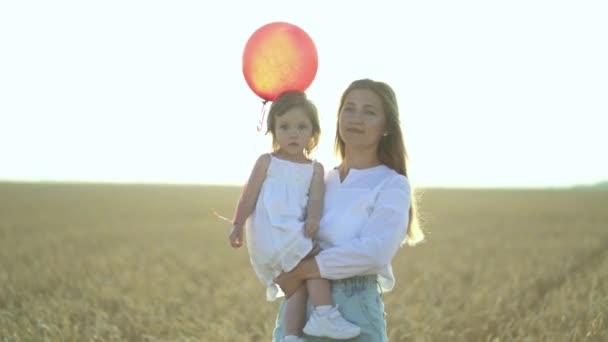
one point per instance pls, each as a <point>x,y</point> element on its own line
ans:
<point>391,150</point>
<point>287,101</point>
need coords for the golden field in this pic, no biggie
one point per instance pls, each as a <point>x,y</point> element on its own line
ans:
<point>151,263</point>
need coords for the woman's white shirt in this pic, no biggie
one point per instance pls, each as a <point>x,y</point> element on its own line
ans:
<point>364,222</point>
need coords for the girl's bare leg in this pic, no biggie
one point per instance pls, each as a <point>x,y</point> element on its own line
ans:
<point>319,291</point>
<point>295,312</point>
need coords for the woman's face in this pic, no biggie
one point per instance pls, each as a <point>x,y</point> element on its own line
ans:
<point>362,120</point>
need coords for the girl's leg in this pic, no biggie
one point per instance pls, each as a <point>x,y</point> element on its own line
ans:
<point>295,312</point>
<point>319,291</point>
<point>326,320</point>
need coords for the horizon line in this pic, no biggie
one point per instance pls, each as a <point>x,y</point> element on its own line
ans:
<point>227,184</point>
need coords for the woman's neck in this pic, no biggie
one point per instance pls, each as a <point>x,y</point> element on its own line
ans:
<point>360,159</point>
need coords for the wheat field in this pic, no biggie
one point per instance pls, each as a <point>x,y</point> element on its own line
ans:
<point>86,262</point>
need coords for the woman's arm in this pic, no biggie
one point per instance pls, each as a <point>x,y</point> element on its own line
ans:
<point>372,250</point>
<point>379,240</point>
<point>248,199</point>
<point>292,280</point>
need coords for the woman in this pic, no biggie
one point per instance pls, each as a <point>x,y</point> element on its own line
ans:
<point>369,212</point>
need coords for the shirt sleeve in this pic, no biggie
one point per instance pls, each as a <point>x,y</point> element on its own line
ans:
<point>380,238</point>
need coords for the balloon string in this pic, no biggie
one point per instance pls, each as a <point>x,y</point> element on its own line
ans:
<point>262,113</point>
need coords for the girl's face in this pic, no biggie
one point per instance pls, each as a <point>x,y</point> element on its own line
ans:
<point>362,120</point>
<point>293,131</point>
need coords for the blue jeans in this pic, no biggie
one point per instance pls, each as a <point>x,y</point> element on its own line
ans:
<point>360,302</point>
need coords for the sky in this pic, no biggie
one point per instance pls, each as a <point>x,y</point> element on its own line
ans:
<point>491,93</point>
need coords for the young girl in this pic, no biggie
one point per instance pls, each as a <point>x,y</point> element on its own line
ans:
<point>281,207</point>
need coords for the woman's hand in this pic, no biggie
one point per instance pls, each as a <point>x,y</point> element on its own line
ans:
<point>316,248</point>
<point>288,282</point>
<point>306,269</point>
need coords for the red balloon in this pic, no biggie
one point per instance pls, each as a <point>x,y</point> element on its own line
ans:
<point>279,56</point>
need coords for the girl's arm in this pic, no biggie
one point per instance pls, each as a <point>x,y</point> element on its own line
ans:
<point>248,199</point>
<point>314,208</point>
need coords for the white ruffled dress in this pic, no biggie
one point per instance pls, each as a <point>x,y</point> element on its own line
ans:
<point>275,229</point>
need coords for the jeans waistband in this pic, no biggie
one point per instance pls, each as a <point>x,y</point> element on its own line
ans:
<point>357,284</point>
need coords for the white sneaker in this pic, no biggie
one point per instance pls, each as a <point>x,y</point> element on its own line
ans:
<point>331,325</point>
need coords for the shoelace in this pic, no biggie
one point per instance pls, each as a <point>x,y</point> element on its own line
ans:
<point>333,313</point>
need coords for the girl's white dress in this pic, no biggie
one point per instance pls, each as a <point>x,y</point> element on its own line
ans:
<point>275,230</point>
